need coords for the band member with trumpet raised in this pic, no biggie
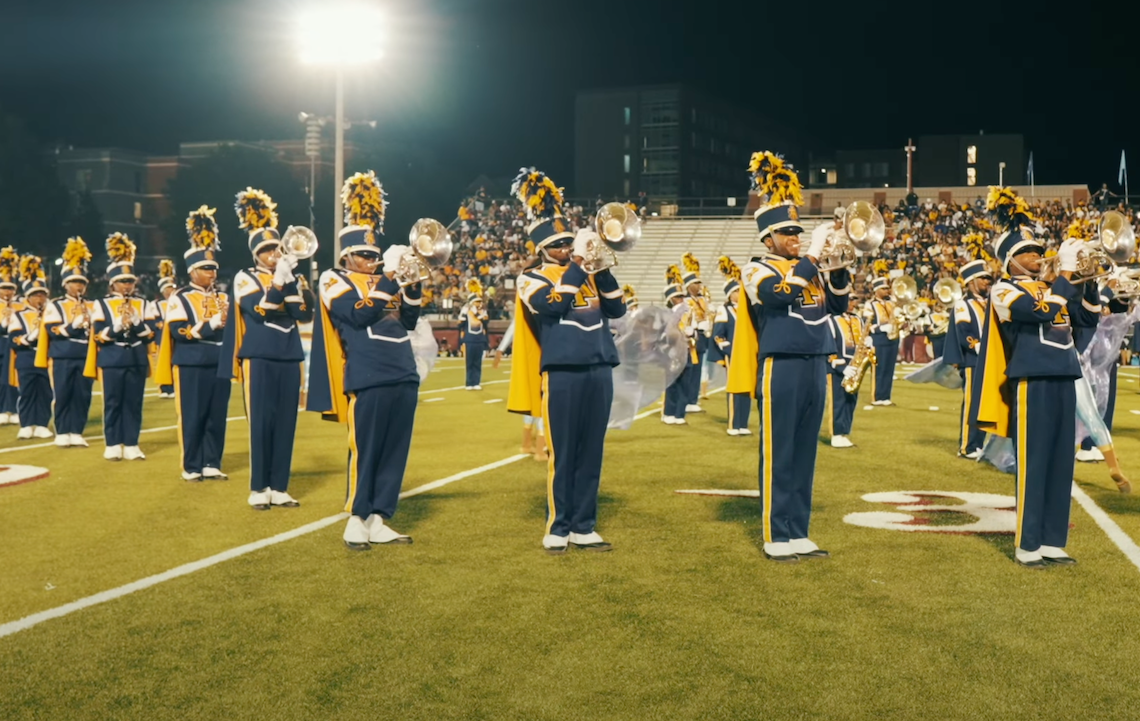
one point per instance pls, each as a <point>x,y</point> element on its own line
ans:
<point>565,359</point>
<point>1025,388</point>
<point>882,319</point>
<point>676,395</point>
<point>262,347</point>
<point>9,285</point>
<point>363,368</point>
<point>63,345</point>
<point>847,331</point>
<point>780,353</point>
<point>697,298</point>
<point>188,357</point>
<point>724,328</point>
<point>967,317</point>
<point>167,284</point>
<point>122,331</point>
<point>473,334</point>
<point>24,328</point>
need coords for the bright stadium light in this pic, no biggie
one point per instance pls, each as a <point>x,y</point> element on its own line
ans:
<point>340,35</point>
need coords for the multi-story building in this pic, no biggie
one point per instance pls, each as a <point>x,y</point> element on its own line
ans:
<point>668,141</point>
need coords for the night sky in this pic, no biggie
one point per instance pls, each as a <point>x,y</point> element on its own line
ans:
<point>490,83</point>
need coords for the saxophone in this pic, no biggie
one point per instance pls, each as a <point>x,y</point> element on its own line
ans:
<point>863,359</point>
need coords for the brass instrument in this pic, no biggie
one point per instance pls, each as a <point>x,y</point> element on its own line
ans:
<point>864,358</point>
<point>914,310</point>
<point>299,242</point>
<point>1127,285</point>
<point>216,304</point>
<point>948,291</point>
<point>430,247</point>
<point>1116,237</point>
<point>905,291</point>
<point>128,316</point>
<point>84,311</point>
<point>1115,244</point>
<point>619,229</point>
<point>863,229</point>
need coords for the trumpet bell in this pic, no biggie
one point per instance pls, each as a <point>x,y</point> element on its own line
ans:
<point>299,242</point>
<point>1117,238</point>
<point>948,291</point>
<point>431,241</point>
<point>864,225</point>
<point>618,226</point>
<point>904,289</point>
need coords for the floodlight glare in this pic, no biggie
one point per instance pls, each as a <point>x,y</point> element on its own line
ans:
<point>340,34</point>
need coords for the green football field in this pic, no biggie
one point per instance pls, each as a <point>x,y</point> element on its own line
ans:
<point>684,619</point>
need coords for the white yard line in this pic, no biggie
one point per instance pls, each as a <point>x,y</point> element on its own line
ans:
<point>458,388</point>
<point>1114,532</point>
<point>99,438</point>
<point>35,619</point>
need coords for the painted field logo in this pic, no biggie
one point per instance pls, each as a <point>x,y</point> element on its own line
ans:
<point>12,475</point>
<point>939,512</point>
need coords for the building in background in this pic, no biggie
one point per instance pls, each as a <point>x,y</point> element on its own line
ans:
<point>957,160</point>
<point>668,141</point>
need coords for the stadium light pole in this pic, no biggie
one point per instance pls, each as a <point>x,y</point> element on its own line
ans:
<point>340,35</point>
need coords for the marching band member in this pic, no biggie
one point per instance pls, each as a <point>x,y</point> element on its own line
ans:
<point>939,329</point>
<point>122,330</point>
<point>167,284</point>
<point>966,321</point>
<point>883,334</point>
<point>780,353</point>
<point>676,395</point>
<point>534,435</point>
<point>570,357</point>
<point>364,371</point>
<point>263,351</point>
<point>1025,389</point>
<point>9,279</point>
<point>696,378</point>
<point>24,328</point>
<point>739,404</point>
<point>473,334</point>
<point>62,347</point>
<point>188,358</point>
<point>847,332</point>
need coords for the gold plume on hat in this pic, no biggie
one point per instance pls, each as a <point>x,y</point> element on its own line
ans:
<point>628,292</point>
<point>203,228</point>
<point>364,203</point>
<point>255,210</point>
<point>774,178</point>
<point>692,265</point>
<point>120,248</point>
<point>673,275</point>
<point>9,264</point>
<point>76,253</point>
<point>166,268</point>
<point>728,268</point>
<point>31,268</point>
<point>474,287</point>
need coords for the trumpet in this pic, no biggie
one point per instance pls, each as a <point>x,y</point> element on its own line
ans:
<point>299,242</point>
<point>1092,264</point>
<point>619,229</point>
<point>430,247</point>
<point>216,303</point>
<point>863,230</point>
<point>1127,284</point>
<point>128,316</point>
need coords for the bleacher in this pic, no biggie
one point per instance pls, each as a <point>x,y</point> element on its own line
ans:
<point>665,240</point>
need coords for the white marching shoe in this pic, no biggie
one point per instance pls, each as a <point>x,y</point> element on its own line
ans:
<point>841,442</point>
<point>63,440</point>
<point>733,432</point>
<point>41,432</point>
<point>133,453</point>
<point>113,453</point>
<point>694,408</point>
<point>5,419</point>
<point>476,388</point>
<point>279,498</point>
<point>744,431</point>
<point>78,441</point>
<point>589,542</point>
<point>259,500</point>
<point>214,474</point>
<point>555,545</point>
<point>1092,455</point>
<point>805,548</point>
<point>356,534</point>
<point>379,533</point>
<point>24,433</point>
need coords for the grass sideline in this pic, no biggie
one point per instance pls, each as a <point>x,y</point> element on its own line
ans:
<point>683,620</point>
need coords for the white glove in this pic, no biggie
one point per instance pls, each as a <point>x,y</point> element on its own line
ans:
<point>705,326</point>
<point>392,257</point>
<point>78,322</point>
<point>283,274</point>
<point>849,372</point>
<point>818,240</point>
<point>837,362</point>
<point>1068,252</point>
<point>216,321</point>
<point>289,259</point>
<point>869,342</point>
<point>117,325</point>
<point>582,241</point>
<point>887,328</point>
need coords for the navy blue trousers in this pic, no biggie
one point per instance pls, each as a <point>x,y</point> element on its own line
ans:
<point>379,436</point>
<point>1110,407</point>
<point>34,405</point>
<point>739,408</point>
<point>202,400</point>
<point>72,394</point>
<point>677,394</point>
<point>842,405</point>
<point>970,437</point>
<point>8,394</point>
<point>475,364</point>
<point>791,392</point>
<point>166,389</point>
<point>886,356</point>
<point>272,393</point>
<point>693,380</point>
<point>576,407</point>
<point>937,344</point>
<point>1044,423</point>
<point>122,404</point>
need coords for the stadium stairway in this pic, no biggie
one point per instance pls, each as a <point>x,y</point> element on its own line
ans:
<point>665,240</point>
